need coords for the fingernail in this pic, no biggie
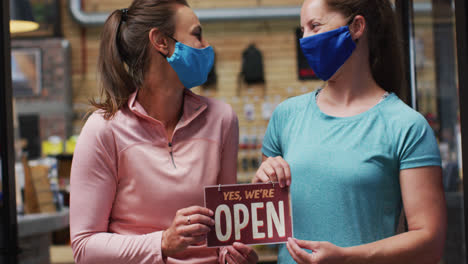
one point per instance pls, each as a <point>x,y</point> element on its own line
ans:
<point>281,184</point>
<point>211,213</point>
<point>288,183</point>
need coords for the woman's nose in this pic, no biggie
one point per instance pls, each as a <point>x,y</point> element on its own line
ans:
<point>308,33</point>
<point>205,43</point>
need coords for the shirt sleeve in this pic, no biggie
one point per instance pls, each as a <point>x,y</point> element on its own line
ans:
<point>418,146</point>
<point>230,147</point>
<point>271,146</point>
<point>93,188</point>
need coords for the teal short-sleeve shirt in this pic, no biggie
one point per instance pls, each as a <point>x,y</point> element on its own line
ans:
<point>345,171</point>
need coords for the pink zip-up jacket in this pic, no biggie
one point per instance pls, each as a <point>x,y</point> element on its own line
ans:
<point>128,181</point>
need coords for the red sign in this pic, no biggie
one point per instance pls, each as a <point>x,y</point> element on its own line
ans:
<point>249,213</point>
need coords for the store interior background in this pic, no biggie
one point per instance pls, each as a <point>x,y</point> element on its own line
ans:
<point>49,117</point>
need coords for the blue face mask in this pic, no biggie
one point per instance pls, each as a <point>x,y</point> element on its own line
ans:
<point>327,52</point>
<point>191,65</point>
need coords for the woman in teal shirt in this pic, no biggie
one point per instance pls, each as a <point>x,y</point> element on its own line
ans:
<point>352,153</point>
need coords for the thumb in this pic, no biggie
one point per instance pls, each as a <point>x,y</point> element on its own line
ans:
<point>312,245</point>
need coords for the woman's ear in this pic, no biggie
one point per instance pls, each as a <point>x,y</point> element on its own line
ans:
<point>358,27</point>
<point>158,41</point>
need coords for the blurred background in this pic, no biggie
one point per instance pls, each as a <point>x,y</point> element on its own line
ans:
<point>257,66</point>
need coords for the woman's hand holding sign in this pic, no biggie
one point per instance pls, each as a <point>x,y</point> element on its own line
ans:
<point>239,253</point>
<point>322,252</point>
<point>274,169</point>
<point>189,227</point>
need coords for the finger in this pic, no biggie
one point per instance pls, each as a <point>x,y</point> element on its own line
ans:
<point>293,253</point>
<point>247,251</point>
<point>241,248</point>
<point>279,170</point>
<point>312,245</point>
<point>287,171</point>
<point>198,219</point>
<point>269,170</point>
<point>256,179</point>
<point>236,255</point>
<point>300,253</point>
<point>201,243</point>
<point>230,259</point>
<point>195,210</point>
<point>194,240</point>
<point>193,230</point>
<point>260,176</point>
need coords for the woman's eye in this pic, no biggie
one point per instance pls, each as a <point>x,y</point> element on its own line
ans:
<point>314,26</point>
<point>198,35</point>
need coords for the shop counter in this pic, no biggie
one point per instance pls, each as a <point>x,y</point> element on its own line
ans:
<point>35,235</point>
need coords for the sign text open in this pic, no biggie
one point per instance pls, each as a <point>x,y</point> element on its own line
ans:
<point>249,213</point>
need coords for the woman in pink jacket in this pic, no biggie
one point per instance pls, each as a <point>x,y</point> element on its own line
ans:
<point>143,158</point>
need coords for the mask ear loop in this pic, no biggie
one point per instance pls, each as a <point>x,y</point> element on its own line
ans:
<point>349,24</point>
<point>173,38</point>
<point>165,56</point>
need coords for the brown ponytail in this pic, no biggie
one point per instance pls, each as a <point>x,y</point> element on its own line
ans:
<point>385,47</point>
<point>123,59</point>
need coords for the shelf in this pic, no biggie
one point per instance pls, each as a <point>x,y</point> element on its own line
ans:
<point>34,224</point>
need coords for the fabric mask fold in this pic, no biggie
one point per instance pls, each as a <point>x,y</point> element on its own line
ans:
<point>327,52</point>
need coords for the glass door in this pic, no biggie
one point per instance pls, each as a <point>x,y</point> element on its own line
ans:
<point>433,57</point>
<point>8,222</point>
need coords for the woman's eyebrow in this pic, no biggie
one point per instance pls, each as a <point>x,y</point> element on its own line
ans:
<point>311,20</point>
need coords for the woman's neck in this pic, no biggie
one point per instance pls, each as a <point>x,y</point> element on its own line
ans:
<point>352,90</point>
<point>162,96</point>
<point>353,83</point>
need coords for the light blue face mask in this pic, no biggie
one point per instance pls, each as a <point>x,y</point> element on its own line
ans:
<point>327,52</point>
<point>191,65</point>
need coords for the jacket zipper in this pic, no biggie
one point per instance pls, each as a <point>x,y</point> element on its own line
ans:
<point>172,154</point>
<point>171,144</point>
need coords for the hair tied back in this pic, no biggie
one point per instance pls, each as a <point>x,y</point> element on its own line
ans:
<point>124,14</point>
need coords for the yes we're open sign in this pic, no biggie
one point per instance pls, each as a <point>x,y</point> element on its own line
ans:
<point>249,213</point>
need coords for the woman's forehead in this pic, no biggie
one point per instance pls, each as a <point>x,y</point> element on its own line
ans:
<point>316,10</point>
<point>185,18</point>
<point>313,9</point>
